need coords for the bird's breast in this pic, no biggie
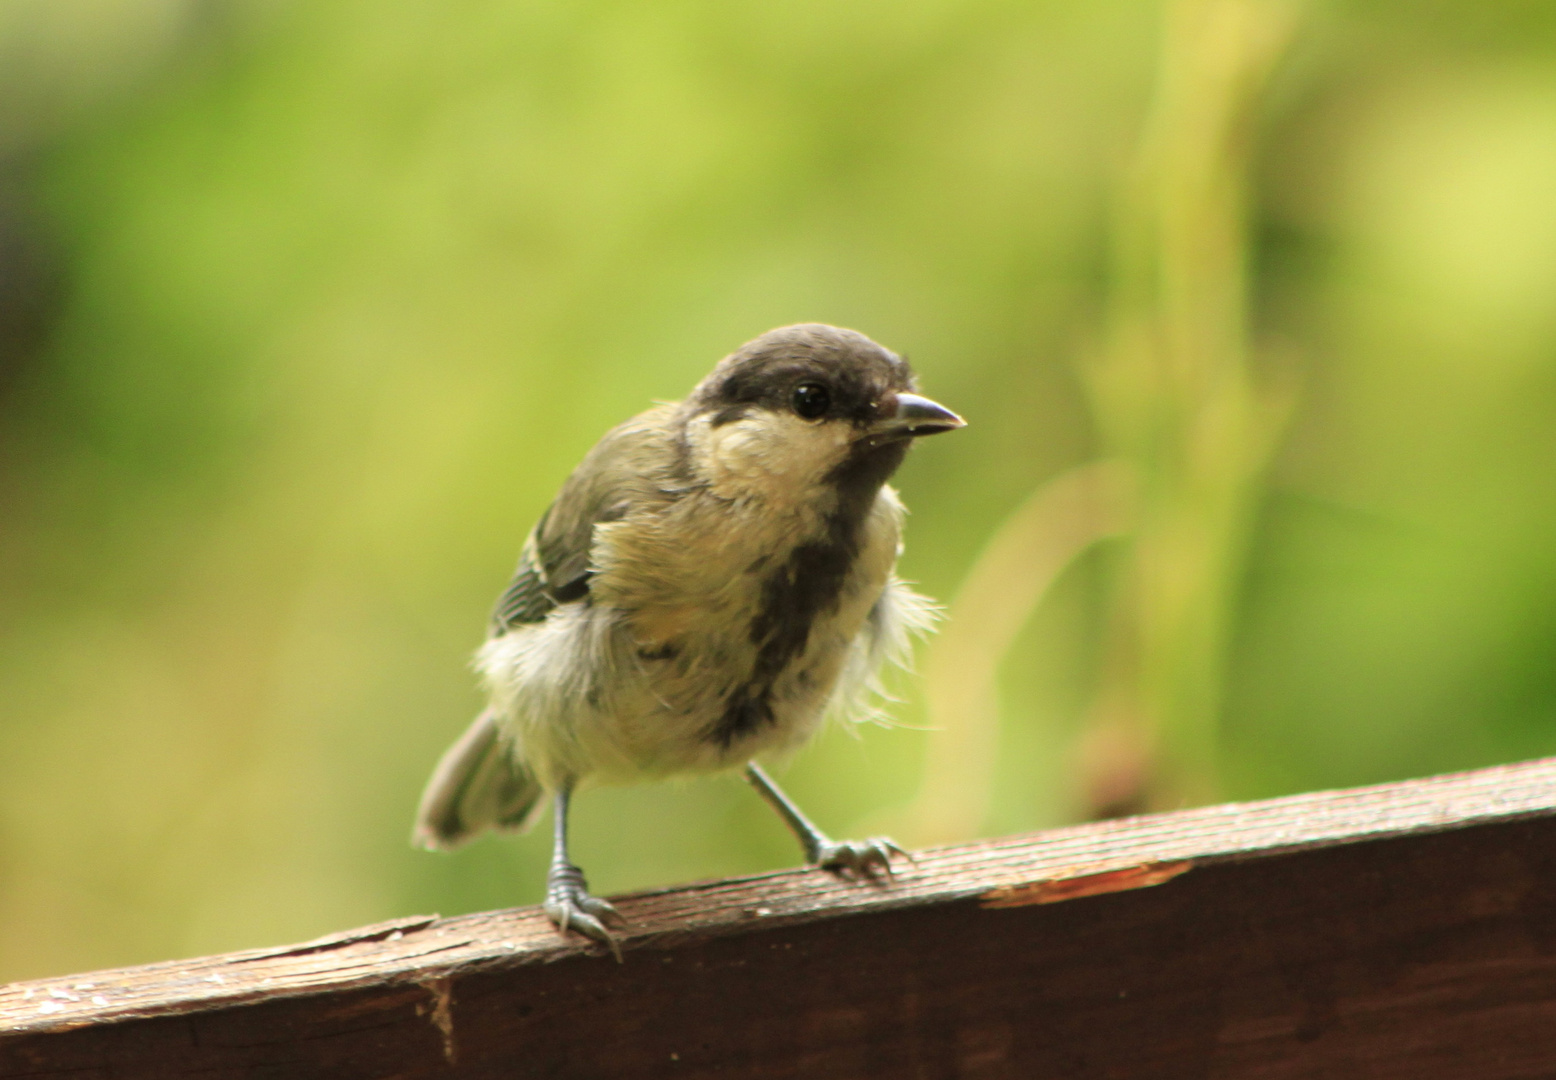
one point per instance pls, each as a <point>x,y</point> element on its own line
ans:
<point>738,619</point>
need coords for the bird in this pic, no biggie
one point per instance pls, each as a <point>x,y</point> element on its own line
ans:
<point>715,578</point>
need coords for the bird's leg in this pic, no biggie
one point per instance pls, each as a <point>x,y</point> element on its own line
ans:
<point>861,857</point>
<point>568,903</point>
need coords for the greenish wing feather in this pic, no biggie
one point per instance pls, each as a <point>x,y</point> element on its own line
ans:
<point>633,466</point>
<point>481,782</point>
<point>526,599</point>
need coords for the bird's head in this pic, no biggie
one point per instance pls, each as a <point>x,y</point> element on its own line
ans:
<point>804,407</point>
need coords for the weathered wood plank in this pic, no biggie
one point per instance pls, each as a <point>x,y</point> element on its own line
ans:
<point>1402,930</point>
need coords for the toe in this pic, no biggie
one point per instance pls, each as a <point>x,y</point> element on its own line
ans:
<point>873,857</point>
<point>591,927</point>
<point>603,910</point>
<point>584,915</point>
<point>862,858</point>
<point>587,925</point>
<point>561,913</point>
<point>882,848</point>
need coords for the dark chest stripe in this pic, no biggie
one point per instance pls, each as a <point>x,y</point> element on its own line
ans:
<point>807,586</point>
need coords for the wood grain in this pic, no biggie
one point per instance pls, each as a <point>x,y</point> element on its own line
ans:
<point>1404,930</point>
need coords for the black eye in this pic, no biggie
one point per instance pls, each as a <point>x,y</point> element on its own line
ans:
<point>811,400</point>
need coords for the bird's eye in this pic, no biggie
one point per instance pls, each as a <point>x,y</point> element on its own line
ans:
<point>811,400</point>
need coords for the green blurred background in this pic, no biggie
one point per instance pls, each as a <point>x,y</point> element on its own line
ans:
<point>306,309</point>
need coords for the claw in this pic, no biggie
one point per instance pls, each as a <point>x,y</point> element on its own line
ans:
<point>602,909</point>
<point>570,907</point>
<point>860,858</point>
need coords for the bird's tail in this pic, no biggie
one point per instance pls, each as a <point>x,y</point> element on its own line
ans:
<point>478,785</point>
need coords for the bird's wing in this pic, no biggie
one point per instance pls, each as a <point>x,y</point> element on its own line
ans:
<point>481,782</point>
<point>633,467</point>
<point>526,599</point>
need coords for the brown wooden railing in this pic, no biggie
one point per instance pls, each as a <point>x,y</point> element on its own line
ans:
<point>1406,930</point>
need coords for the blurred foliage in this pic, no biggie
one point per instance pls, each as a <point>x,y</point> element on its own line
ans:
<point>306,310</point>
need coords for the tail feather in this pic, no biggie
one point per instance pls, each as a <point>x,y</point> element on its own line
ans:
<point>477,785</point>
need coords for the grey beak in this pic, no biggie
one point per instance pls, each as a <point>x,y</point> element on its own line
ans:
<point>917,416</point>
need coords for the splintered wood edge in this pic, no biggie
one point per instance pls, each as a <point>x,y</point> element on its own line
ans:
<point>421,953</point>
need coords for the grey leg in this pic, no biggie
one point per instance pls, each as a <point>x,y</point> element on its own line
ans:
<point>860,857</point>
<point>568,903</point>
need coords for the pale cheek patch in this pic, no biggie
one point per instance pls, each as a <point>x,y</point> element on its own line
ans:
<point>770,455</point>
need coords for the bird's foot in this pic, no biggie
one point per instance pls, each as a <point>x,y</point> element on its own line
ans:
<point>570,907</point>
<point>857,858</point>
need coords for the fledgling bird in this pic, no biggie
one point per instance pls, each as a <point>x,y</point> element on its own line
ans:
<point>714,578</point>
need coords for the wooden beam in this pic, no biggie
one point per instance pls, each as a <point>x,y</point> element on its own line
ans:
<point>1406,930</point>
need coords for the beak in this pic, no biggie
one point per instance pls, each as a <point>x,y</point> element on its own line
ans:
<point>917,416</point>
